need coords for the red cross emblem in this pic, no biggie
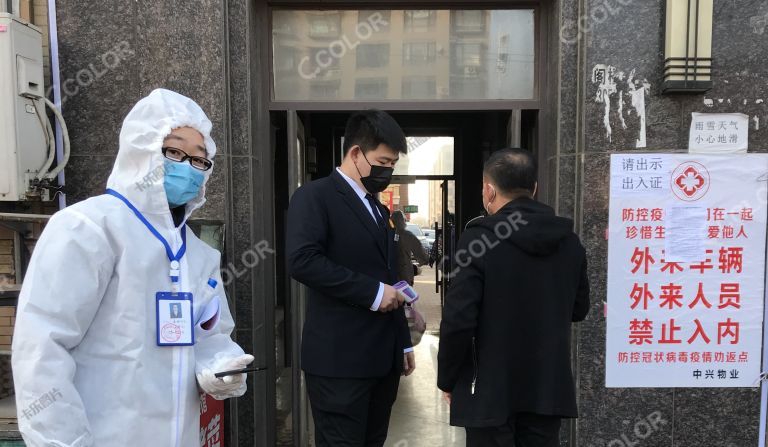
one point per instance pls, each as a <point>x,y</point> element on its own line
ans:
<point>690,181</point>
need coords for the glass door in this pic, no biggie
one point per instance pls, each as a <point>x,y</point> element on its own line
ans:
<point>445,230</point>
<point>293,415</point>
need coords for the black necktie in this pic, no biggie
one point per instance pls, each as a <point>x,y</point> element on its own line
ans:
<point>375,209</point>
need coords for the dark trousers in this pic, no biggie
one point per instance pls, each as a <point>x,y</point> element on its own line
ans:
<point>351,412</point>
<point>522,430</point>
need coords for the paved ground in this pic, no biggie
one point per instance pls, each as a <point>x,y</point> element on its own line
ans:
<point>429,300</point>
<point>420,416</point>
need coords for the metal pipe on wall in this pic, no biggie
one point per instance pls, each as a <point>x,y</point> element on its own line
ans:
<point>53,36</point>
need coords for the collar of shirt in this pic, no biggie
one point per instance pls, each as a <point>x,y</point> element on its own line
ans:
<point>358,190</point>
<point>360,193</point>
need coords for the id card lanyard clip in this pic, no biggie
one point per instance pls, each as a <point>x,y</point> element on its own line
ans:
<point>174,273</point>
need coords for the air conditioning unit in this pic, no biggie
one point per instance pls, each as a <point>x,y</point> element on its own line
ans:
<point>23,143</point>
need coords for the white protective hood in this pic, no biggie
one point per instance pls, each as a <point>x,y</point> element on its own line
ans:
<point>138,171</point>
<point>86,365</point>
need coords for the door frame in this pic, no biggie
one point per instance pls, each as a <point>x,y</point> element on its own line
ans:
<point>297,176</point>
<point>261,103</point>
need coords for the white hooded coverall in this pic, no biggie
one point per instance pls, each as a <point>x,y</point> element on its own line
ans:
<point>86,365</point>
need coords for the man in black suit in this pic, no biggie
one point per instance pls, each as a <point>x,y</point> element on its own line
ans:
<point>520,281</point>
<point>342,245</point>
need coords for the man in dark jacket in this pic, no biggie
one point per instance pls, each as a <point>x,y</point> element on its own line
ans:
<point>520,281</point>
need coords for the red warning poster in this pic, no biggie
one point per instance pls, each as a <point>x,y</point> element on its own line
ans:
<point>686,270</point>
<point>211,421</point>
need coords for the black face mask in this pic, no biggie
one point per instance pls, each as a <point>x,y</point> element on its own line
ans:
<point>379,178</point>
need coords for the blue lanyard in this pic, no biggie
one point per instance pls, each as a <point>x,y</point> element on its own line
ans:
<point>174,258</point>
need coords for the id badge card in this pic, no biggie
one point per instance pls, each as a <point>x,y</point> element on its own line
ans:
<point>174,319</point>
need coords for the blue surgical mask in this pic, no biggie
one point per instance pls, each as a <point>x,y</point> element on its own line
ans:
<point>182,182</point>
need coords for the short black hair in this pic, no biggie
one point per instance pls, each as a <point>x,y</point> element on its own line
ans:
<point>370,128</point>
<point>512,170</point>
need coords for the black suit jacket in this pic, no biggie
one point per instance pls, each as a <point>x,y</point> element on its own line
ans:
<point>505,338</point>
<point>336,249</point>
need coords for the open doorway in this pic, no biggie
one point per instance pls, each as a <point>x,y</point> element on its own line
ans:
<point>437,186</point>
<point>429,208</point>
<point>419,412</point>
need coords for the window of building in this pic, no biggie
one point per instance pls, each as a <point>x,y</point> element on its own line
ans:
<point>419,87</point>
<point>467,55</point>
<point>324,89</point>
<point>378,19</point>
<point>324,24</point>
<point>286,62</point>
<point>419,53</point>
<point>373,55</point>
<point>420,20</point>
<point>468,21</point>
<point>371,88</point>
<point>322,59</point>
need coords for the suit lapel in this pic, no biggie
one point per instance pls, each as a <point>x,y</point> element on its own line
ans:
<point>353,201</point>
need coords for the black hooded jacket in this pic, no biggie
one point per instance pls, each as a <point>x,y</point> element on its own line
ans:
<point>520,281</point>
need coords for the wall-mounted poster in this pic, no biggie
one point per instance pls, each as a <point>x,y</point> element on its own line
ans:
<point>686,270</point>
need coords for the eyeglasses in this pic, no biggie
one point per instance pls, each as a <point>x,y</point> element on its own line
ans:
<point>177,155</point>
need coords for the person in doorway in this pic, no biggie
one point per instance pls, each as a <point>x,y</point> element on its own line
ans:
<point>341,244</point>
<point>520,281</point>
<point>94,362</point>
<point>409,249</point>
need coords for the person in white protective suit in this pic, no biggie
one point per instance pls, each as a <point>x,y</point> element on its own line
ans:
<point>98,359</point>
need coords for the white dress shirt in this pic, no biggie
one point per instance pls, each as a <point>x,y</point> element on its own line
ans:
<point>361,193</point>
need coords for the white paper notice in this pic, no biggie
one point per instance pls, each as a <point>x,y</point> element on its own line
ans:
<point>686,233</point>
<point>686,270</point>
<point>718,133</point>
<point>642,174</point>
